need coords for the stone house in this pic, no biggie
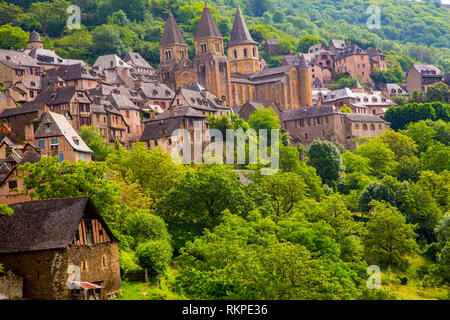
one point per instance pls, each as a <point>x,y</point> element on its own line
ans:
<point>11,286</point>
<point>15,65</point>
<point>77,75</point>
<point>305,125</point>
<point>354,62</point>
<point>55,137</point>
<point>419,77</point>
<point>157,94</point>
<point>196,97</point>
<point>139,64</point>
<point>62,248</point>
<point>131,114</point>
<point>159,132</point>
<point>271,47</point>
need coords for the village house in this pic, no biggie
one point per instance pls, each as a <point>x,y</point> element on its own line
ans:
<point>109,120</point>
<point>272,47</point>
<point>62,249</point>
<point>45,58</point>
<point>6,101</point>
<point>420,76</point>
<point>392,89</point>
<point>70,101</point>
<point>354,62</point>
<point>193,95</point>
<point>159,132</point>
<point>77,75</point>
<point>157,94</point>
<point>305,125</point>
<point>131,114</point>
<point>15,65</point>
<point>140,65</point>
<point>55,137</point>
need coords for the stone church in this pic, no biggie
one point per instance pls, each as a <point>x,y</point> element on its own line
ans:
<point>239,76</point>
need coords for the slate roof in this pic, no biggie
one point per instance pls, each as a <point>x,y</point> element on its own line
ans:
<point>171,34</point>
<point>163,128</point>
<point>350,51</point>
<point>207,27</point>
<point>44,224</point>
<point>428,70</point>
<point>16,59</point>
<point>360,117</point>
<point>137,60</point>
<point>239,33</point>
<point>122,102</point>
<point>339,94</point>
<point>338,43</point>
<point>34,37</point>
<point>73,72</point>
<point>110,61</point>
<point>308,112</point>
<point>56,125</point>
<point>179,112</point>
<point>32,83</point>
<point>156,91</point>
<point>48,57</point>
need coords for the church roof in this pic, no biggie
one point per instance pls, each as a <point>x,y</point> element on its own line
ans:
<point>207,27</point>
<point>239,33</point>
<point>172,34</point>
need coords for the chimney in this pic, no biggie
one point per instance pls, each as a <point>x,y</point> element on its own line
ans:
<point>319,99</point>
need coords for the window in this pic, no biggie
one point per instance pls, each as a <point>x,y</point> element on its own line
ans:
<point>54,142</point>
<point>325,120</point>
<point>306,136</point>
<point>307,123</point>
<point>235,53</point>
<point>12,184</point>
<point>104,261</point>
<point>89,233</point>
<point>85,157</point>
<point>365,127</point>
<point>372,127</point>
<point>41,144</point>
<point>254,52</point>
<point>60,157</point>
<point>245,53</point>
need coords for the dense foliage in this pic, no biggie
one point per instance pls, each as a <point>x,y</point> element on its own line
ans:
<point>307,232</point>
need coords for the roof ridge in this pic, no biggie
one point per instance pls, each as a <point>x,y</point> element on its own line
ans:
<point>240,33</point>
<point>207,27</point>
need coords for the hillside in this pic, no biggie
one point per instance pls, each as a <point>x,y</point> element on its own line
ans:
<point>419,30</point>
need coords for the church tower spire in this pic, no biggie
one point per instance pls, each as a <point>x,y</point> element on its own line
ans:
<point>242,49</point>
<point>210,59</point>
<point>172,46</point>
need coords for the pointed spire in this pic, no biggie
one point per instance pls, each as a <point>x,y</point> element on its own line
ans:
<point>302,61</point>
<point>240,34</point>
<point>357,85</point>
<point>207,27</point>
<point>172,34</point>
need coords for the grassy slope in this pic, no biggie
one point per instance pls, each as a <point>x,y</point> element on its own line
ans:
<point>414,289</point>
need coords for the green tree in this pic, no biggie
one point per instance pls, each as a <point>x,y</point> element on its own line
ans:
<point>95,140</point>
<point>400,144</point>
<point>325,157</point>
<point>106,40</point>
<point>381,158</point>
<point>389,239</point>
<point>437,157</point>
<point>264,119</point>
<point>10,13</point>
<point>438,92</point>
<point>399,99</point>
<point>13,37</point>
<point>50,14</point>
<point>376,191</point>
<point>345,109</point>
<point>306,42</point>
<point>155,256</point>
<point>197,201</point>
<point>147,168</point>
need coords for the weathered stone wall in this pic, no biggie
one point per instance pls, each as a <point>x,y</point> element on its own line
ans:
<point>11,285</point>
<point>44,273</point>
<point>98,263</point>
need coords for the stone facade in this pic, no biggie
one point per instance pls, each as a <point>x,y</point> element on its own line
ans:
<point>11,285</point>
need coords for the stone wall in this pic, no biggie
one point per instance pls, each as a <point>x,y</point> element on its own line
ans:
<point>44,273</point>
<point>11,285</point>
<point>98,263</point>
